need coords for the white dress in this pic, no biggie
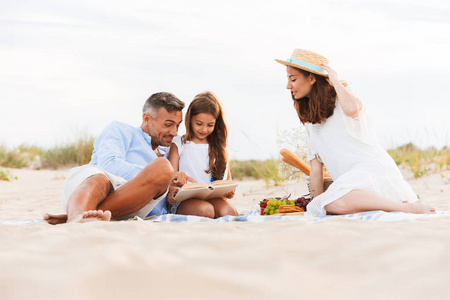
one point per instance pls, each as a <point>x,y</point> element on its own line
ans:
<point>349,150</point>
<point>194,159</point>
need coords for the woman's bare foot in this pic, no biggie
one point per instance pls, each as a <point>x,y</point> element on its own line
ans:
<point>55,219</point>
<point>419,208</point>
<point>91,215</point>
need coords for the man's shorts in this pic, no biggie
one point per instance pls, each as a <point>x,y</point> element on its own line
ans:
<point>77,175</point>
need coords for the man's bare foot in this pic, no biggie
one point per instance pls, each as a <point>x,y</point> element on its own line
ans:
<point>91,215</point>
<point>55,219</point>
<point>419,208</point>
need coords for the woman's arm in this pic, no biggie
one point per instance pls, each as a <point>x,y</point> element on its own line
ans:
<point>349,103</point>
<point>316,178</point>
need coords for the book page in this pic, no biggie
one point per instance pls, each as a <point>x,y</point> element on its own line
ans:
<point>194,185</point>
<point>221,190</point>
<point>222,182</point>
<point>198,193</point>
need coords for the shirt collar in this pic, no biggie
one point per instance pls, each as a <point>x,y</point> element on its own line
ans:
<point>146,137</point>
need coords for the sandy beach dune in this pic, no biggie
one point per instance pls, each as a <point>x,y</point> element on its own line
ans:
<point>285,259</point>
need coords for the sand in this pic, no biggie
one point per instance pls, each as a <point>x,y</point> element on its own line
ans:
<point>284,259</point>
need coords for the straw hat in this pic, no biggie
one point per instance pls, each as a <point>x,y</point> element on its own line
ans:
<point>306,60</point>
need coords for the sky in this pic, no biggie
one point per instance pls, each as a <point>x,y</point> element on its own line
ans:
<point>69,68</point>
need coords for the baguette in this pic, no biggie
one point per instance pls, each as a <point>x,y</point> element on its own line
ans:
<point>295,161</point>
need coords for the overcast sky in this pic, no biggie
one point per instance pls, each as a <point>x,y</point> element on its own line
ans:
<point>70,68</point>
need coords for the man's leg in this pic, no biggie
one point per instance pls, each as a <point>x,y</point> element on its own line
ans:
<point>82,203</point>
<point>148,184</point>
<point>92,199</point>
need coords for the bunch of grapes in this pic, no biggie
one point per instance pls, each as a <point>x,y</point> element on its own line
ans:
<point>303,201</point>
<point>272,206</point>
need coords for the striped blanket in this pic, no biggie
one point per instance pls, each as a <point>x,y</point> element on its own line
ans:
<point>253,216</point>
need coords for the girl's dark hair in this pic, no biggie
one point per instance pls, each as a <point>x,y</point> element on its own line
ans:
<point>207,103</point>
<point>320,104</point>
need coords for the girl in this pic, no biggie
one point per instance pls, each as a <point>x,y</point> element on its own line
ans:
<point>201,154</point>
<point>339,136</point>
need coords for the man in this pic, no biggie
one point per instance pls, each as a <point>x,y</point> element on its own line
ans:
<point>127,175</point>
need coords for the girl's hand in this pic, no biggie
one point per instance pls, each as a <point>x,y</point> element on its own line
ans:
<point>173,190</point>
<point>230,195</point>
<point>333,78</point>
<point>180,179</point>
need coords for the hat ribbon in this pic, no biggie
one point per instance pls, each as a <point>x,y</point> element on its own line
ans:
<point>306,65</point>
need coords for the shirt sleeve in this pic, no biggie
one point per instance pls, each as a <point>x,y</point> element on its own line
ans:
<point>111,149</point>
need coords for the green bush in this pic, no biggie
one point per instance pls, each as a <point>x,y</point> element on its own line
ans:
<point>6,175</point>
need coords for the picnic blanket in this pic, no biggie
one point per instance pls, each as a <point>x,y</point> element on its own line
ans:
<point>254,216</point>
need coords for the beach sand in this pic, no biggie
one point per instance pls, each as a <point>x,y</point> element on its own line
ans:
<point>284,259</point>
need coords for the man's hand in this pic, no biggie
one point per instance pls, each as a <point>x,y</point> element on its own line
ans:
<point>180,179</point>
<point>173,190</point>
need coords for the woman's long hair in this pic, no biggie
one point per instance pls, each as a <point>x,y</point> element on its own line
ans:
<point>207,103</point>
<point>320,103</point>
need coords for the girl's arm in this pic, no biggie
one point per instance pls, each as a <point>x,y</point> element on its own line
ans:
<point>174,157</point>
<point>316,178</point>
<point>349,103</point>
<point>179,178</point>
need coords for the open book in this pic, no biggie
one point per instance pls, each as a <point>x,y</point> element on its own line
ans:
<point>205,191</point>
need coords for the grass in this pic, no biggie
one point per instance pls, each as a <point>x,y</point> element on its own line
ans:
<point>6,175</point>
<point>71,154</point>
<point>266,170</point>
<point>272,171</point>
<point>421,162</point>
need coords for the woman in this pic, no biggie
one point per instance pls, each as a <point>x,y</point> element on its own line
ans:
<point>341,138</point>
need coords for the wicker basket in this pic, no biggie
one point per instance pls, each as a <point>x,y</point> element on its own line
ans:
<point>327,181</point>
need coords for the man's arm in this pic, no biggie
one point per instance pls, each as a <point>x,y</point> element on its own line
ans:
<point>110,151</point>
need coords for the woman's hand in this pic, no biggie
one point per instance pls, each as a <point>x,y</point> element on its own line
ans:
<point>349,103</point>
<point>333,78</point>
<point>230,195</point>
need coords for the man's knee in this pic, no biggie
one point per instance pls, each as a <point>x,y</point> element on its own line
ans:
<point>164,167</point>
<point>98,183</point>
<point>159,171</point>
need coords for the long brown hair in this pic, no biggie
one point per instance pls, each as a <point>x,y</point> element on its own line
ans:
<point>207,103</point>
<point>320,103</point>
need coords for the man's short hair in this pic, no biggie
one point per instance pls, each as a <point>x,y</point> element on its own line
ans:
<point>163,99</point>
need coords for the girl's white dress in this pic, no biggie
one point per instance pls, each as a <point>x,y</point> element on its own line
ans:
<point>349,150</point>
<point>194,161</point>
